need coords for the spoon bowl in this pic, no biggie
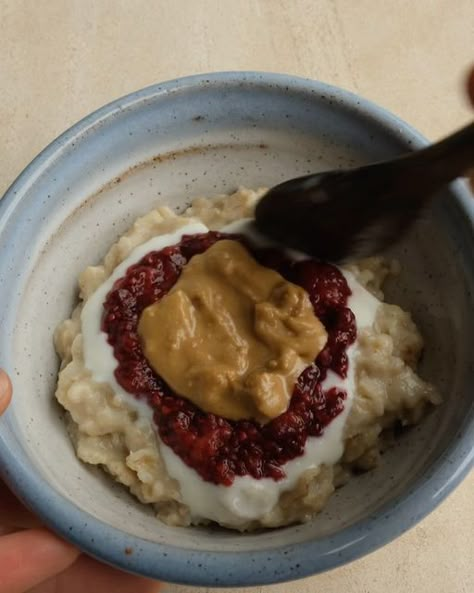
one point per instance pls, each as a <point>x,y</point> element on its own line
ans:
<point>343,215</point>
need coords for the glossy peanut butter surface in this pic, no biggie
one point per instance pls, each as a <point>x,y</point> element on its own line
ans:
<point>231,335</point>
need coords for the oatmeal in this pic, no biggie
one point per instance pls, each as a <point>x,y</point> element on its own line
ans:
<point>196,467</point>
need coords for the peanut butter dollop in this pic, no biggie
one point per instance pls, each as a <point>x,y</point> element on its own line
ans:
<point>232,336</point>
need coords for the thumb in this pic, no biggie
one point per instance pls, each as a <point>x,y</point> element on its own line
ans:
<point>29,557</point>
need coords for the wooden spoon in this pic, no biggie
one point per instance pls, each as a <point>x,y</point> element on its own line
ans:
<point>342,215</point>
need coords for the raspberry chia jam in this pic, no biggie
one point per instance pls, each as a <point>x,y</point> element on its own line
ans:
<point>217,448</point>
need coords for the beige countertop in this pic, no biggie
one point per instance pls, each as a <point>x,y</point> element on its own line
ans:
<point>62,59</point>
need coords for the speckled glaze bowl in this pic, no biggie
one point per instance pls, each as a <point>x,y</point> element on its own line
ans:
<point>168,144</point>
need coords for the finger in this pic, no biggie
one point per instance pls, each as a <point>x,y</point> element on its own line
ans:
<point>13,513</point>
<point>30,557</point>
<point>5,391</point>
<point>87,574</point>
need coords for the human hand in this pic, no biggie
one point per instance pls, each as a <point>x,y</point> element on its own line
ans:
<point>34,560</point>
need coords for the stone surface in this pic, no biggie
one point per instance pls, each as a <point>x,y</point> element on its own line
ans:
<point>61,60</point>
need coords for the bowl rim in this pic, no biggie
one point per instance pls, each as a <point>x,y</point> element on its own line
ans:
<point>191,567</point>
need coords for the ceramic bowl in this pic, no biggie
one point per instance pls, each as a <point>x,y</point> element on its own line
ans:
<point>168,144</point>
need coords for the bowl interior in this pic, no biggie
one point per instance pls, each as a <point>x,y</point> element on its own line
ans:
<point>167,148</point>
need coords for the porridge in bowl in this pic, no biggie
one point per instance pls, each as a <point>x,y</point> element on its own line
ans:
<point>221,377</point>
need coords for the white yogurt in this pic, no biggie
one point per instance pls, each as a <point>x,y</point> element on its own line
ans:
<point>99,356</point>
<point>247,498</point>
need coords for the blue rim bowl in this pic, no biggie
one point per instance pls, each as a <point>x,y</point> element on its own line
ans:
<point>227,108</point>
